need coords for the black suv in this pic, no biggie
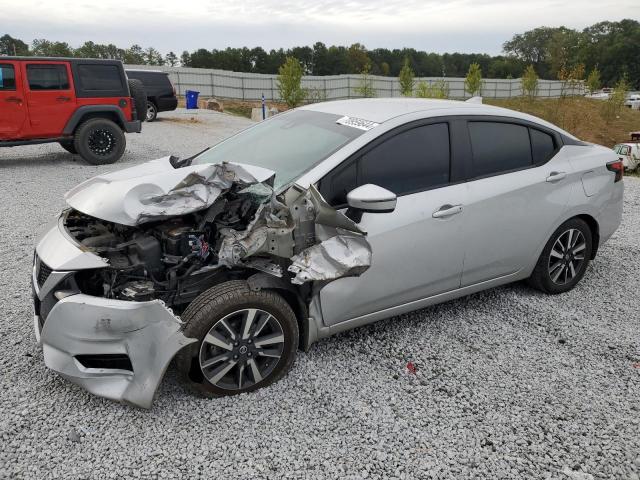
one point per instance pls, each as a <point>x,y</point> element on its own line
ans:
<point>161,94</point>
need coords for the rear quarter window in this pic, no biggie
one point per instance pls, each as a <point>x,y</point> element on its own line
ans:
<point>542,146</point>
<point>100,78</point>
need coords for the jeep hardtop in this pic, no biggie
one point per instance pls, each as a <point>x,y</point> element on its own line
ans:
<point>85,105</point>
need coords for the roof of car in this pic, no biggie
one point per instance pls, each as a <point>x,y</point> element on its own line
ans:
<point>60,59</point>
<point>380,110</point>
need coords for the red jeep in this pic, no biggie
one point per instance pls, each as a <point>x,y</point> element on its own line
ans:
<point>84,105</point>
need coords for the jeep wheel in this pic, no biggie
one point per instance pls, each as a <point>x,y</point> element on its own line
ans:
<point>245,340</point>
<point>152,112</point>
<point>68,146</point>
<point>100,141</point>
<point>139,96</point>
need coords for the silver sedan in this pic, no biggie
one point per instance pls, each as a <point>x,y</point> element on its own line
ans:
<point>318,220</point>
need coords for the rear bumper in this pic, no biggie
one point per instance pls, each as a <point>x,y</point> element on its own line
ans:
<point>133,127</point>
<point>166,104</point>
<point>145,333</point>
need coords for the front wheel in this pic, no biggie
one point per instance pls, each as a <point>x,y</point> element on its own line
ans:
<point>565,258</point>
<point>246,340</point>
<point>100,141</point>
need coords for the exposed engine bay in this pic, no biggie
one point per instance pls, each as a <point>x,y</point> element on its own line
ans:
<point>220,222</point>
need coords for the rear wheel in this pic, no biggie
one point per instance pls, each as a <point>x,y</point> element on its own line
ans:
<point>100,141</point>
<point>565,258</point>
<point>246,340</point>
<point>152,112</point>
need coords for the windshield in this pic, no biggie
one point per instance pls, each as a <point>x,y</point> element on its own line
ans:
<point>289,144</point>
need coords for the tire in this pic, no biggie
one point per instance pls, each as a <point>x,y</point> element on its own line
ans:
<point>139,96</point>
<point>152,112</point>
<point>69,146</point>
<point>560,271</point>
<point>202,365</point>
<point>100,141</point>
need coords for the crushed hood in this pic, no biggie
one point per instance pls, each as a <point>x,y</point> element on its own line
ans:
<point>156,190</point>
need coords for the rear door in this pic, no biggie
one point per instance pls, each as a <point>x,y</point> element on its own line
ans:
<point>519,186</point>
<point>12,104</point>
<point>414,254</point>
<point>50,97</point>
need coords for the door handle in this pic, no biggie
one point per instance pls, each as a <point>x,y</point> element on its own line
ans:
<point>63,99</point>
<point>13,100</point>
<point>556,176</point>
<point>447,210</point>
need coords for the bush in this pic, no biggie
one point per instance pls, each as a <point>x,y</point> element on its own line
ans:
<point>615,103</point>
<point>365,89</point>
<point>530,82</point>
<point>439,89</point>
<point>406,79</point>
<point>593,80</point>
<point>290,82</point>
<point>473,80</point>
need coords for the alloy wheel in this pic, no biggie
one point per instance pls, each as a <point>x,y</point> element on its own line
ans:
<point>101,142</point>
<point>151,112</point>
<point>241,349</point>
<point>567,256</point>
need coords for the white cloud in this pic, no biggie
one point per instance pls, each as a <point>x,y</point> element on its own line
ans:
<point>456,25</point>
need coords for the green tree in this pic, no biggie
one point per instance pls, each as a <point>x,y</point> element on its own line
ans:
<point>153,57</point>
<point>473,80</point>
<point>530,82</point>
<point>593,80</point>
<point>290,82</point>
<point>134,55</point>
<point>45,48</point>
<point>357,59</point>
<point>171,59</point>
<point>13,46</point>
<point>385,69</point>
<point>406,79</point>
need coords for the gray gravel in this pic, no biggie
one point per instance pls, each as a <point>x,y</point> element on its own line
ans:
<point>510,383</point>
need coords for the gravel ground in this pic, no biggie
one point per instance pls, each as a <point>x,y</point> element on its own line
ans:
<point>509,383</point>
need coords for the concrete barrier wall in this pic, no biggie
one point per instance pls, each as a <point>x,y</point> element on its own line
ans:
<point>251,86</point>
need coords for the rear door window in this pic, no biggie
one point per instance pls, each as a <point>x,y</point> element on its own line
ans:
<point>47,77</point>
<point>7,77</point>
<point>99,78</point>
<point>499,147</point>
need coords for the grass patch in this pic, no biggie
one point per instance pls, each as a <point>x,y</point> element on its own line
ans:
<point>583,117</point>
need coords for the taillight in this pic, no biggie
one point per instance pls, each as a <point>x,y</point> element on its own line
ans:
<point>618,168</point>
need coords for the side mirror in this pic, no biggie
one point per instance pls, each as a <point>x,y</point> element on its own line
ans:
<point>371,199</point>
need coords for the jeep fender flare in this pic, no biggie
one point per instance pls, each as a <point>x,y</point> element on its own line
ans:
<point>90,110</point>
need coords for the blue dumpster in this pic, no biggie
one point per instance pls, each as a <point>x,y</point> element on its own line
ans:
<point>192,99</point>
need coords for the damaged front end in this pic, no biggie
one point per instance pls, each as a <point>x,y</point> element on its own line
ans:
<point>144,242</point>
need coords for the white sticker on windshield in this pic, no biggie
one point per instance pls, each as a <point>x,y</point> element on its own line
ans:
<point>359,123</point>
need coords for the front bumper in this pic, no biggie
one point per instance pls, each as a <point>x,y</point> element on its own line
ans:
<point>73,327</point>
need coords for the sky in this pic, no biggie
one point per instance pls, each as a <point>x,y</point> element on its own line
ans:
<point>479,26</point>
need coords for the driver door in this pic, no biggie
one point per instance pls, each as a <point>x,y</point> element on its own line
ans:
<point>418,249</point>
